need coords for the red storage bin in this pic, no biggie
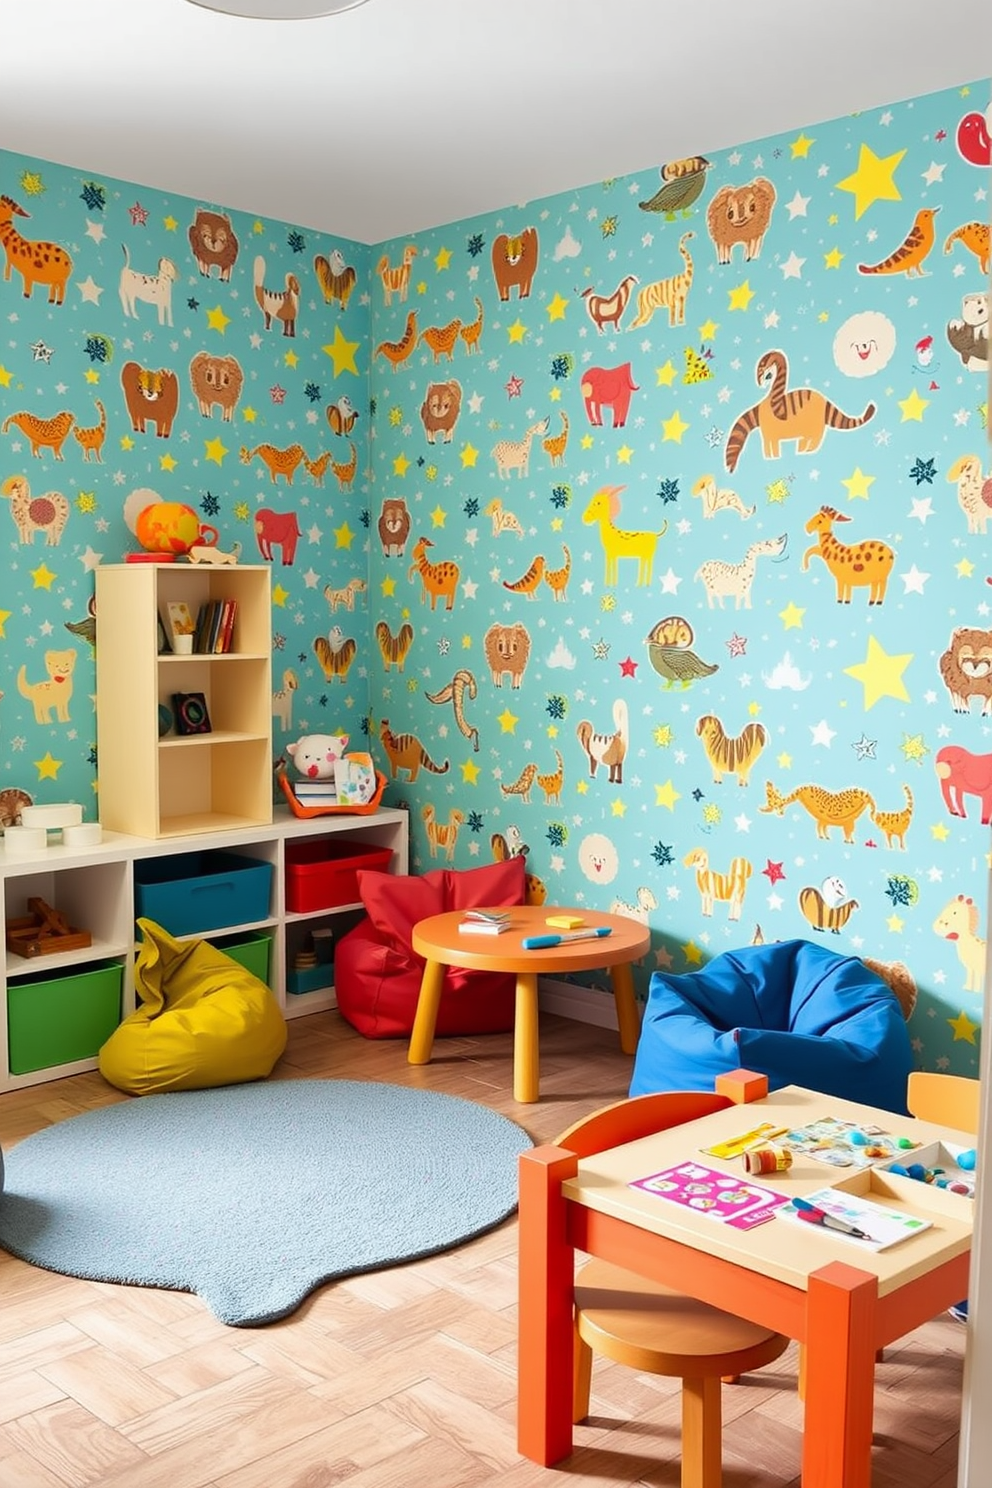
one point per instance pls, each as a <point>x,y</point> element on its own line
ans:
<point>322,873</point>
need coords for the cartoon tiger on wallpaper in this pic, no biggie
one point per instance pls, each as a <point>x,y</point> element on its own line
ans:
<point>394,649</point>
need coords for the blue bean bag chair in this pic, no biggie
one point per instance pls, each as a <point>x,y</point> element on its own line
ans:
<point>794,1011</point>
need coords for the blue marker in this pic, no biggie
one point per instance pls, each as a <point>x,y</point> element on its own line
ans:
<point>542,942</point>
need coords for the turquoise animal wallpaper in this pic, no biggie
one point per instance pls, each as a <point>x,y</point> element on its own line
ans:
<point>162,350</point>
<point>680,574</point>
<point>642,528</point>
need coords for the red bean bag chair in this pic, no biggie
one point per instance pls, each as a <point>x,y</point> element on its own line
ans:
<point>377,973</point>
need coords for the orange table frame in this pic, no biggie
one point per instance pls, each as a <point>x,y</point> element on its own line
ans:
<point>838,1314</point>
<point>442,944</point>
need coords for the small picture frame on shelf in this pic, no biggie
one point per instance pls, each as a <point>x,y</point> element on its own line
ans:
<point>190,712</point>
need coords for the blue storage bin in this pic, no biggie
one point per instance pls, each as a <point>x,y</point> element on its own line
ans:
<point>189,893</point>
<point>310,979</point>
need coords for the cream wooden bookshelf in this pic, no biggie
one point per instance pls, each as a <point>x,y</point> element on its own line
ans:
<point>175,785</point>
<point>95,888</point>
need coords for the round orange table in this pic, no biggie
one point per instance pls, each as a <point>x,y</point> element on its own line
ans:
<point>439,940</point>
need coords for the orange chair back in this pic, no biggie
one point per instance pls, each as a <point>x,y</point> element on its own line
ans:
<point>947,1100</point>
<point>640,1116</point>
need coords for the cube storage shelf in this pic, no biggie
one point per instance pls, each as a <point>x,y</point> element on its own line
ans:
<point>57,1011</point>
<point>178,783</point>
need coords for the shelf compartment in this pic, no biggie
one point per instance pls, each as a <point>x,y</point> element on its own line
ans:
<point>213,783</point>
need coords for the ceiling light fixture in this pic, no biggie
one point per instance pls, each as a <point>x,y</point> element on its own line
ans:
<point>279,10</point>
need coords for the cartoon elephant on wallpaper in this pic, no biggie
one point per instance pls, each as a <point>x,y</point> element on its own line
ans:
<point>608,387</point>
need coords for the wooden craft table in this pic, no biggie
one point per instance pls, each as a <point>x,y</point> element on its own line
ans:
<point>842,1300</point>
<point>442,944</point>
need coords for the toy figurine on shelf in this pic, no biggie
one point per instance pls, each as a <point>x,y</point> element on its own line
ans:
<point>330,778</point>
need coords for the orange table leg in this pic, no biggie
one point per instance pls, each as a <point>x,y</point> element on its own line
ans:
<point>425,1020</point>
<point>840,1377</point>
<point>545,1330</point>
<point>526,1054</point>
<point>623,995</point>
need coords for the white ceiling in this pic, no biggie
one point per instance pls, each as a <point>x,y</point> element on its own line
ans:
<point>406,114</point>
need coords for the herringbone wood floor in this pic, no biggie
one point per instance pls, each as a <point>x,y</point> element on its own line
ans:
<point>397,1379</point>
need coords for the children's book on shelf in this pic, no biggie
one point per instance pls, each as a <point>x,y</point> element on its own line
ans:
<point>853,1219</point>
<point>733,1201</point>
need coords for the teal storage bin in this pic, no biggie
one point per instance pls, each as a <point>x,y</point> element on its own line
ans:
<point>253,952</point>
<point>310,979</point>
<point>190,893</point>
<point>55,1020</point>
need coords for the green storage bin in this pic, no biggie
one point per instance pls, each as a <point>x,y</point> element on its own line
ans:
<point>253,952</point>
<point>55,1020</point>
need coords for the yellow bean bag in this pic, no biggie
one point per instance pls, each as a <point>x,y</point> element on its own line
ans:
<point>202,1020</point>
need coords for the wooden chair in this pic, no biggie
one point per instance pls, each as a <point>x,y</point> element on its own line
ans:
<point>947,1100</point>
<point>650,1327</point>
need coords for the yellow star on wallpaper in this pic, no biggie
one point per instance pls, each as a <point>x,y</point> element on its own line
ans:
<point>469,455</point>
<point>692,953</point>
<point>784,761</point>
<point>258,227</point>
<point>741,297</point>
<point>556,524</point>
<point>280,596</point>
<point>666,795</point>
<point>873,180</point>
<point>964,1028</point>
<point>215,450</point>
<point>217,320</point>
<point>170,224</point>
<point>792,616</point>
<point>341,353</point>
<point>48,768</point>
<point>587,441</point>
<point>583,787</point>
<point>470,773</point>
<point>4,617</point>
<point>913,407</point>
<point>422,287</point>
<point>624,453</point>
<point>754,709</point>
<point>965,568</point>
<point>833,259</point>
<point>940,832</point>
<point>800,147</point>
<point>913,747</point>
<point>43,577</point>
<point>249,415</point>
<point>291,359</point>
<point>438,517</point>
<point>673,428</point>
<point>127,442</point>
<point>858,484</point>
<point>92,376</point>
<point>517,331</point>
<point>895,924</point>
<point>556,308</point>
<point>666,375</point>
<point>881,674</point>
<point>5,376</point>
<point>507,721</point>
<point>552,731</point>
<point>707,331</point>
<point>442,259</point>
<point>343,536</point>
<point>166,462</point>
<point>388,586</point>
<point>618,807</point>
<point>401,465</point>
<point>466,643</point>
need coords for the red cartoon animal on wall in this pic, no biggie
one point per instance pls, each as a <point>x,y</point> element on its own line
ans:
<point>964,774</point>
<point>279,529</point>
<point>608,387</point>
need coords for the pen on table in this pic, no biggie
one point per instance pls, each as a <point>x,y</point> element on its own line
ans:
<point>810,1213</point>
<point>541,942</point>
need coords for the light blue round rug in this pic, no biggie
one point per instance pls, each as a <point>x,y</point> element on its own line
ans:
<point>253,1195</point>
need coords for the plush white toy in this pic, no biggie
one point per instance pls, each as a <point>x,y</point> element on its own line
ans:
<point>315,754</point>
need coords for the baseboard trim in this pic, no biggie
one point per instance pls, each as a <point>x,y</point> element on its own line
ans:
<point>570,1000</point>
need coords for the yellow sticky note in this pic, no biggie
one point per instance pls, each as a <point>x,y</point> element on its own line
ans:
<point>565,922</point>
